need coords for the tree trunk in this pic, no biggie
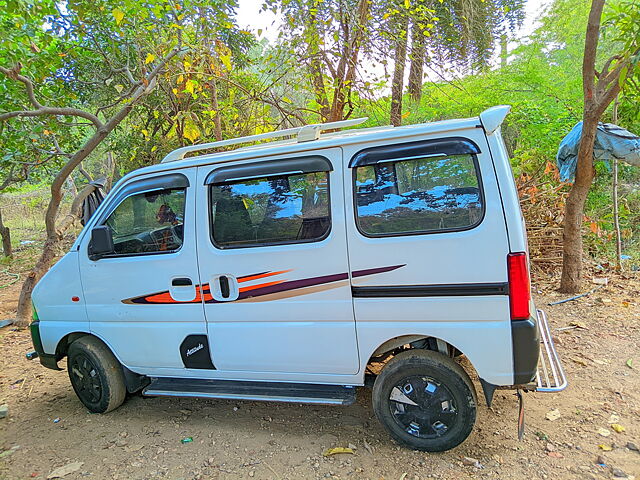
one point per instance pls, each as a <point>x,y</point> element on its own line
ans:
<point>571,280</point>
<point>597,97</point>
<point>345,73</point>
<point>398,72</point>
<point>504,51</point>
<point>418,50</point>
<point>44,263</point>
<point>71,185</point>
<point>49,251</point>
<point>5,233</point>
<point>109,172</point>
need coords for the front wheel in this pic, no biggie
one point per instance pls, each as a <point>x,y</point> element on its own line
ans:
<point>425,400</point>
<point>96,375</point>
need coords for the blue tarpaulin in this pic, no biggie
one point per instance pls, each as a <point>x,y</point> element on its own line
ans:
<point>611,142</point>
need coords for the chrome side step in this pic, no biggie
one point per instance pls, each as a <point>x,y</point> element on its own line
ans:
<point>550,376</point>
<point>256,391</point>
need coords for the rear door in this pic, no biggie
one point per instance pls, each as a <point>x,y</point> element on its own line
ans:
<point>426,217</point>
<point>273,259</point>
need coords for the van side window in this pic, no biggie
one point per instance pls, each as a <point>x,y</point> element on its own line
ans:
<point>418,195</point>
<point>149,222</point>
<point>271,210</point>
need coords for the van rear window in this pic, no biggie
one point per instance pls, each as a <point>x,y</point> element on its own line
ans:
<point>418,195</point>
<point>270,210</point>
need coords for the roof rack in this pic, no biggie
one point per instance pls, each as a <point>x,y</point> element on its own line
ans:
<point>304,133</point>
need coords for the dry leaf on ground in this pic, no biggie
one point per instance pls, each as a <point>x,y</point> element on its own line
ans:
<point>334,451</point>
<point>618,428</point>
<point>553,414</point>
<point>66,470</point>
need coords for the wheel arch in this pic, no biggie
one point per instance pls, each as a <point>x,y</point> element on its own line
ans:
<point>400,340</point>
<point>441,345</point>
<point>133,381</point>
<point>62,347</point>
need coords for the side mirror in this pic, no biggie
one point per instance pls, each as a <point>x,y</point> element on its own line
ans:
<point>101,243</point>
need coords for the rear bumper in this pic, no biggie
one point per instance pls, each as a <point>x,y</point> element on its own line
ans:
<point>525,339</point>
<point>550,375</point>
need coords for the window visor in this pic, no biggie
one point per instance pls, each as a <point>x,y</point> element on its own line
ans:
<point>404,151</point>
<point>270,168</point>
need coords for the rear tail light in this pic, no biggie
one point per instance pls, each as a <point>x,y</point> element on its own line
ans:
<point>519,287</point>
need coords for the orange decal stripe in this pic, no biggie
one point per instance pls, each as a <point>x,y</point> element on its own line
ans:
<point>166,297</point>
<point>160,298</point>
<point>262,275</point>
<point>260,285</point>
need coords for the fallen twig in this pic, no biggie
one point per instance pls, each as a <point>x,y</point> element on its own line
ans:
<point>573,298</point>
<point>16,277</point>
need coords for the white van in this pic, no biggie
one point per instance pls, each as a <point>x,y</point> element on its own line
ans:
<point>299,269</point>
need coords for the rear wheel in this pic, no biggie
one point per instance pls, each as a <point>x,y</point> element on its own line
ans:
<point>96,375</point>
<point>425,400</point>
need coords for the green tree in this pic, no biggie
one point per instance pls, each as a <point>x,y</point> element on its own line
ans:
<point>600,88</point>
<point>108,58</point>
<point>445,34</point>
<point>329,38</point>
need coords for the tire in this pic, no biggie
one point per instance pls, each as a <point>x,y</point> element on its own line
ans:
<point>420,379</point>
<point>96,375</point>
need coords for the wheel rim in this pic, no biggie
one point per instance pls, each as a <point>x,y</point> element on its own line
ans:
<point>423,407</point>
<point>86,379</point>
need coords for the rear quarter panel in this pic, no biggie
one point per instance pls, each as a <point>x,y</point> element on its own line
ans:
<point>477,325</point>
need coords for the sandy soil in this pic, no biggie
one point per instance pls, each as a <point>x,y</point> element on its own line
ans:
<point>47,427</point>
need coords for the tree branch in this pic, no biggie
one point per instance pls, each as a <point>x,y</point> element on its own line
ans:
<point>74,212</point>
<point>40,110</point>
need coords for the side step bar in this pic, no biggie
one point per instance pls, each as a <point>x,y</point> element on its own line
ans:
<point>257,391</point>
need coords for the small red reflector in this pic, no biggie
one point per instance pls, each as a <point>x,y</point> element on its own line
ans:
<point>75,299</point>
<point>519,287</point>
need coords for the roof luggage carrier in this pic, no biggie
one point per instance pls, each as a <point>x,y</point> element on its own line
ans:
<point>304,133</point>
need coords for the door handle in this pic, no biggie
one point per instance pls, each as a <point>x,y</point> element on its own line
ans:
<point>224,286</point>
<point>181,282</point>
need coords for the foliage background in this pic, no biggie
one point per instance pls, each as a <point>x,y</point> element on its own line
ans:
<point>230,83</point>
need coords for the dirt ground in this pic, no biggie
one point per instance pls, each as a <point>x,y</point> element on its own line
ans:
<point>597,336</point>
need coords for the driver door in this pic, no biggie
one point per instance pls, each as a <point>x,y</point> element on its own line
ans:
<point>142,300</point>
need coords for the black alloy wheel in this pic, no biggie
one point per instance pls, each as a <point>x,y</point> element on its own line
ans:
<point>423,407</point>
<point>96,375</point>
<point>84,377</point>
<point>425,400</point>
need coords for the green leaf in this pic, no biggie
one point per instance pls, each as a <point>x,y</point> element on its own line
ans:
<point>118,15</point>
<point>190,86</point>
<point>191,131</point>
<point>623,75</point>
<point>226,60</point>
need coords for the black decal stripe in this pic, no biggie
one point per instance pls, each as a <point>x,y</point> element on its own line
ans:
<point>291,285</point>
<point>450,290</point>
<point>373,271</point>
